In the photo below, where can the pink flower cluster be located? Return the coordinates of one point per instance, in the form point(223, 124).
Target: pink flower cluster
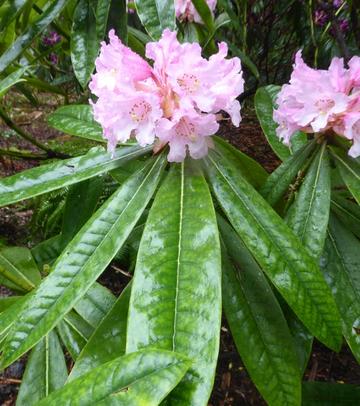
point(175, 100)
point(185, 10)
point(317, 101)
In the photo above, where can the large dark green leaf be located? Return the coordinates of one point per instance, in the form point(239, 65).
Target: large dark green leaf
point(350, 172)
point(72, 339)
point(253, 172)
point(11, 80)
point(280, 180)
point(8, 317)
point(84, 41)
point(10, 11)
point(264, 106)
point(83, 260)
point(84, 194)
point(95, 304)
point(348, 212)
point(156, 15)
point(309, 215)
point(46, 252)
point(176, 294)
point(205, 13)
point(330, 394)
point(277, 250)
point(46, 178)
point(112, 331)
point(25, 39)
point(7, 301)
point(258, 325)
point(76, 119)
point(341, 265)
point(18, 266)
point(141, 378)
point(45, 371)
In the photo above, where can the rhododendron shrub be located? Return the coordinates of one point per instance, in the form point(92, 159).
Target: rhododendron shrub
point(187, 227)
point(175, 101)
point(321, 102)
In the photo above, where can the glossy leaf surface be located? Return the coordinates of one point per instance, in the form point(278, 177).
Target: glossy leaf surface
point(84, 41)
point(348, 212)
point(257, 324)
point(18, 266)
point(45, 371)
point(176, 294)
point(253, 172)
point(46, 178)
point(112, 331)
point(25, 39)
point(156, 16)
point(280, 180)
point(141, 378)
point(350, 172)
point(277, 250)
point(341, 264)
point(309, 215)
point(264, 106)
point(95, 304)
point(11, 80)
point(76, 119)
point(83, 260)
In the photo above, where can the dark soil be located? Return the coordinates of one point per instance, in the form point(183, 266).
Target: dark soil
point(233, 385)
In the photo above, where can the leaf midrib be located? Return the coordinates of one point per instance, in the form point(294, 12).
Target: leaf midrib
point(79, 274)
point(261, 227)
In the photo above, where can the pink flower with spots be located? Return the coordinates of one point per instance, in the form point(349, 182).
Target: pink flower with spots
point(316, 101)
point(186, 11)
point(175, 101)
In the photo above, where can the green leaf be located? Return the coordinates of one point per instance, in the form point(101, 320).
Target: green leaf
point(277, 250)
point(45, 371)
point(112, 331)
point(330, 394)
point(6, 302)
point(18, 266)
point(86, 195)
point(350, 172)
point(309, 215)
point(45, 178)
point(341, 264)
point(248, 167)
point(205, 13)
point(11, 80)
point(72, 339)
point(348, 212)
point(95, 304)
point(84, 43)
point(83, 260)
point(78, 120)
point(176, 294)
point(102, 14)
point(10, 12)
point(26, 38)
point(8, 317)
point(257, 325)
point(46, 252)
point(264, 106)
point(279, 181)
point(156, 16)
point(141, 378)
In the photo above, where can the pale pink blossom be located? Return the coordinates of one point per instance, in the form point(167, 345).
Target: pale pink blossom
point(176, 100)
point(186, 11)
point(316, 101)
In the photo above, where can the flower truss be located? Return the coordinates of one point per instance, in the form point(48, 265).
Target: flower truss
point(175, 101)
point(319, 101)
